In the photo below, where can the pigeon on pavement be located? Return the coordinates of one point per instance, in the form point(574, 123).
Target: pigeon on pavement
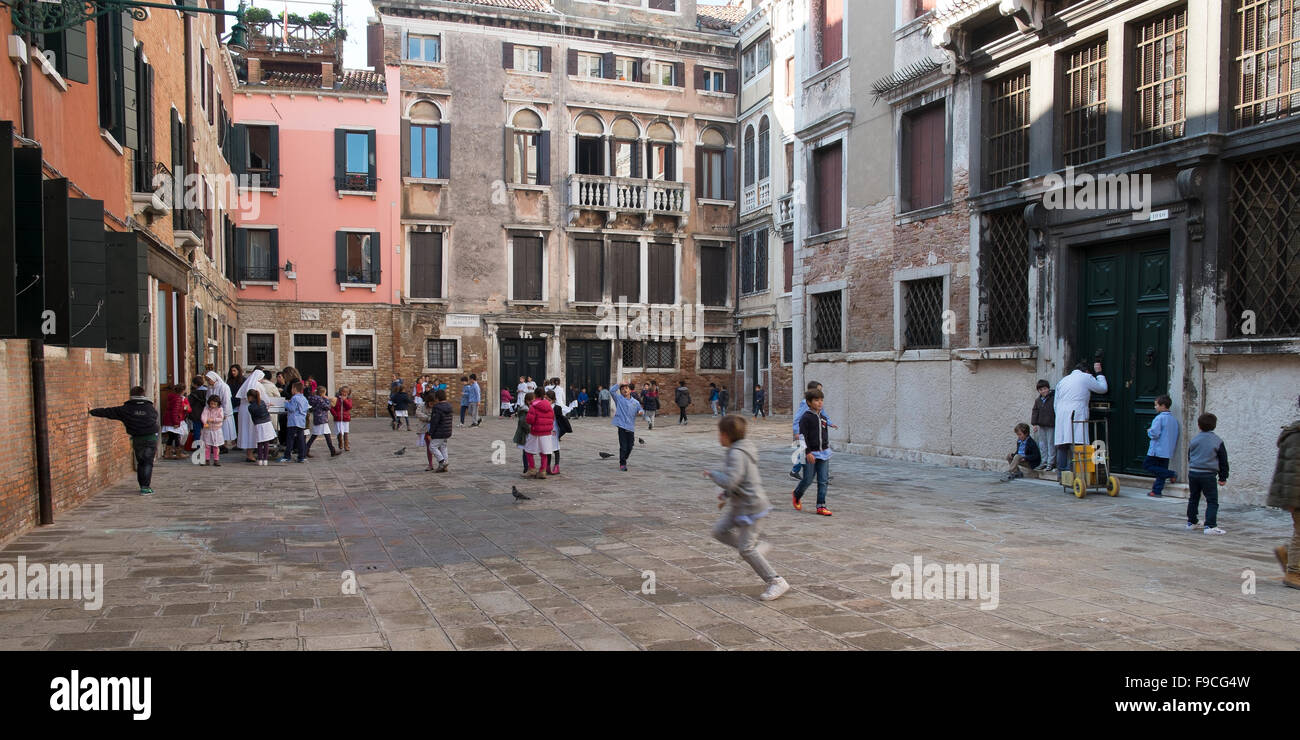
point(518, 496)
point(400, 452)
point(604, 455)
point(640, 441)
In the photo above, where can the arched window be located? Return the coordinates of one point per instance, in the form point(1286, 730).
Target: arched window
point(661, 150)
point(426, 143)
point(624, 152)
point(764, 149)
point(588, 155)
point(528, 149)
point(713, 178)
point(749, 156)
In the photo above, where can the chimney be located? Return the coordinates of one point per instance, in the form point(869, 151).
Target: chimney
point(254, 70)
point(327, 75)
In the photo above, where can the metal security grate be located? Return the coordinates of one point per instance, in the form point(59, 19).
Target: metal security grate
point(1264, 272)
point(660, 354)
point(1160, 79)
point(923, 313)
point(1085, 104)
point(441, 353)
point(310, 340)
point(632, 354)
point(261, 349)
point(827, 318)
point(1268, 72)
point(1004, 277)
point(360, 350)
point(1007, 145)
point(713, 356)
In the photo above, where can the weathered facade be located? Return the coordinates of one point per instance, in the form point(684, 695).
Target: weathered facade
point(560, 178)
point(1077, 180)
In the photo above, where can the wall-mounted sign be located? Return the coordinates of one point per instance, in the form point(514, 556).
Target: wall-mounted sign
point(462, 320)
point(309, 314)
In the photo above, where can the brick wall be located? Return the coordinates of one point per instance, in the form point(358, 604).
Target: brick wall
point(86, 454)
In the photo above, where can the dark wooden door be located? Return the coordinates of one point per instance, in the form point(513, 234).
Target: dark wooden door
point(1125, 322)
point(586, 364)
point(310, 362)
point(522, 357)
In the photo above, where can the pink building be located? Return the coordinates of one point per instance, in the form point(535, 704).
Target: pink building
point(313, 240)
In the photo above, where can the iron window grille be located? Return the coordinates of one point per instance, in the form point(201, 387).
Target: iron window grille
point(1160, 79)
point(261, 349)
point(360, 350)
point(1268, 73)
point(660, 354)
point(1264, 268)
point(632, 354)
point(441, 353)
point(1007, 145)
point(310, 340)
point(1085, 104)
point(1004, 278)
point(923, 313)
point(713, 356)
point(827, 318)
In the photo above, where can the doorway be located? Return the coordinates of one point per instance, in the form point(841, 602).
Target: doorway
point(522, 357)
point(1124, 321)
point(586, 364)
point(311, 356)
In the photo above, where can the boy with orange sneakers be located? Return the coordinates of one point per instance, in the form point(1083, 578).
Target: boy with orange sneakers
point(813, 427)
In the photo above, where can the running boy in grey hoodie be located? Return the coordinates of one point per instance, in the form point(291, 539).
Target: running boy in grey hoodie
point(742, 487)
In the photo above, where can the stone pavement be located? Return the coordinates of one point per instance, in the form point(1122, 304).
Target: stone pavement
point(247, 558)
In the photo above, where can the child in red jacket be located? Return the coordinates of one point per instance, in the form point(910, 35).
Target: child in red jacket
point(341, 410)
point(174, 428)
point(541, 423)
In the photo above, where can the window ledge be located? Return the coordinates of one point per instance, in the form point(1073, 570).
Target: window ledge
point(371, 194)
point(921, 214)
point(716, 202)
point(108, 139)
point(1208, 351)
point(527, 73)
point(422, 63)
point(514, 302)
point(439, 181)
point(826, 236)
point(522, 186)
point(374, 287)
point(971, 356)
point(823, 74)
point(755, 294)
point(433, 301)
point(716, 94)
point(629, 83)
point(275, 285)
point(249, 188)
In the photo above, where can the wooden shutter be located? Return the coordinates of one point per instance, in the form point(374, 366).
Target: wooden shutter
point(732, 80)
point(679, 74)
point(546, 59)
point(241, 253)
point(238, 149)
point(625, 259)
point(75, 58)
point(926, 153)
point(662, 270)
point(372, 164)
point(670, 163)
point(729, 173)
point(57, 274)
point(274, 238)
point(527, 268)
point(426, 264)
point(829, 185)
point(699, 76)
point(374, 46)
point(700, 190)
point(588, 270)
point(341, 256)
point(408, 151)
point(340, 159)
point(507, 55)
point(832, 31)
point(607, 66)
point(374, 259)
point(86, 266)
point(130, 100)
point(713, 275)
point(29, 242)
point(573, 63)
point(788, 263)
point(444, 150)
point(544, 158)
point(273, 145)
point(125, 283)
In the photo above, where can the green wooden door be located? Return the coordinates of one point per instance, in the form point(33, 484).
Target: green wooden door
point(1124, 322)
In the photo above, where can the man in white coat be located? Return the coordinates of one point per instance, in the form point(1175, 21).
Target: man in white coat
point(1072, 396)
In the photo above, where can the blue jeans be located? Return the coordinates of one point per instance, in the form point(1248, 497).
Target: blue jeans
point(1159, 467)
point(296, 442)
point(817, 468)
point(1207, 483)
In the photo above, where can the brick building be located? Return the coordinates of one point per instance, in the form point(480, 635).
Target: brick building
point(1070, 180)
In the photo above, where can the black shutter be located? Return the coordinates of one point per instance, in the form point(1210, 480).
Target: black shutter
point(340, 157)
point(670, 163)
point(178, 148)
point(588, 270)
point(86, 264)
point(507, 55)
point(607, 66)
point(573, 63)
point(126, 313)
point(199, 344)
point(29, 242)
point(679, 74)
point(636, 160)
point(273, 144)
point(241, 253)
point(699, 77)
point(435, 265)
point(732, 81)
point(374, 260)
point(625, 259)
point(373, 181)
point(58, 277)
point(238, 149)
point(130, 100)
point(75, 62)
point(546, 59)
point(275, 255)
point(444, 150)
point(408, 151)
point(729, 173)
point(662, 270)
point(701, 190)
point(713, 275)
point(527, 268)
point(761, 245)
point(544, 158)
point(8, 278)
point(341, 256)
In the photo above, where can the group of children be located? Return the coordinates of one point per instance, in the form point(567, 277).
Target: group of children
point(311, 410)
point(1207, 458)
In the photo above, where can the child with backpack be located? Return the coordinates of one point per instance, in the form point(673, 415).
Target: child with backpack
point(319, 404)
point(140, 418)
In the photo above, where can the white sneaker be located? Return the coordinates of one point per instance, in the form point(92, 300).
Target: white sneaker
point(1214, 530)
point(775, 589)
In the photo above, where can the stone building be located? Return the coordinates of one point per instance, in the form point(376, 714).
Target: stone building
point(560, 160)
point(1074, 180)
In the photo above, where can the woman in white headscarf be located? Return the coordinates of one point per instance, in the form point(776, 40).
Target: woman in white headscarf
point(247, 435)
point(218, 386)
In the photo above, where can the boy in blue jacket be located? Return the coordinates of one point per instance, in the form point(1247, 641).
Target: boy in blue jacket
point(1027, 453)
point(295, 410)
point(1164, 438)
